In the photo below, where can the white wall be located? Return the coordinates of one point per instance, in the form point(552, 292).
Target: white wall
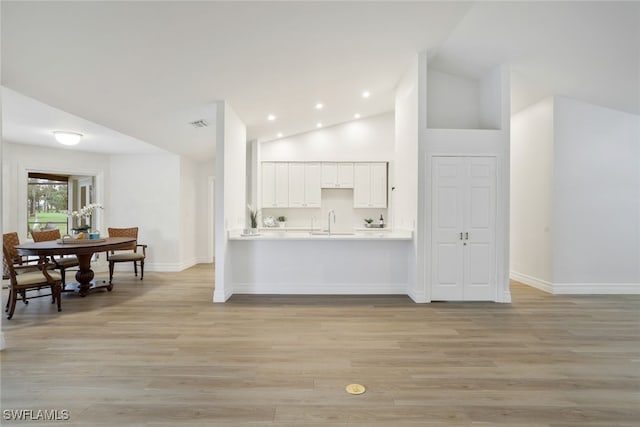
point(230, 205)
point(189, 212)
point(531, 194)
point(367, 139)
point(145, 192)
point(205, 215)
point(596, 213)
point(490, 93)
point(453, 102)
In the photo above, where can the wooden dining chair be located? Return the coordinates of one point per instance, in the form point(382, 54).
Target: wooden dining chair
point(130, 254)
point(13, 257)
point(24, 278)
point(62, 262)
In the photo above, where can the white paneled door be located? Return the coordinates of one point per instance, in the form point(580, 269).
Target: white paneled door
point(463, 229)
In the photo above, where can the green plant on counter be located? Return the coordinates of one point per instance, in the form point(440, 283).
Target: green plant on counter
point(253, 216)
point(368, 220)
point(282, 219)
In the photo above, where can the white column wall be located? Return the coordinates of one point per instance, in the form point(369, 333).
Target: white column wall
point(531, 194)
point(404, 198)
point(230, 204)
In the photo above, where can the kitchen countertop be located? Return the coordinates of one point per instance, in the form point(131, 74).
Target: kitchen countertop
point(369, 234)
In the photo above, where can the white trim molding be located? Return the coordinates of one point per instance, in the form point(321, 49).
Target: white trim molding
point(534, 282)
point(577, 288)
point(596, 288)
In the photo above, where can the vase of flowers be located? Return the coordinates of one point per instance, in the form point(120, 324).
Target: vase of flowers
point(82, 218)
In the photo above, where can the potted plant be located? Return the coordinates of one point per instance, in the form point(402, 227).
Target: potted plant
point(253, 218)
point(282, 220)
point(368, 222)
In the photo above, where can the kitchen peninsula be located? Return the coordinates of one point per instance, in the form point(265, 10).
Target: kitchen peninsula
point(299, 262)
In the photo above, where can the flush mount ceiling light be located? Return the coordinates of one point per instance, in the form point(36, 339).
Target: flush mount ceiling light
point(271, 117)
point(319, 106)
point(356, 116)
point(279, 135)
point(366, 94)
point(67, 138)
point(319, 125)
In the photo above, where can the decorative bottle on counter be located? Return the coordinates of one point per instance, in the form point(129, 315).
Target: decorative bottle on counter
point(381, 221)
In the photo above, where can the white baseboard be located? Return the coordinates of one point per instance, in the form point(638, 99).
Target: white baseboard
point(2, 342)
point(596, 288)
point(417, 296)
point(505, 298)
point(577, 288)
point(321, 289)
point(543, 285)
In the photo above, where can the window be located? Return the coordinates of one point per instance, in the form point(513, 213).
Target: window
point(47, 201)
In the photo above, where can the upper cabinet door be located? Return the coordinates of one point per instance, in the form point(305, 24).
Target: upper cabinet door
point(379, 185)
point(296, 185)
point(362, 185)
point(275, 185)
point(329, 175)
point(304, 185)
point(268, 185)
point(337, 175)
point(345, 175)
point(370, 185)
point(312, 191)
point(282, 185)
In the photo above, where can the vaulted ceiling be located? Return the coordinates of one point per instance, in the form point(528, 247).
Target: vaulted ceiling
point(135, 74)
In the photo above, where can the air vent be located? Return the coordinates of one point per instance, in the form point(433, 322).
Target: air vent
point(200, 124)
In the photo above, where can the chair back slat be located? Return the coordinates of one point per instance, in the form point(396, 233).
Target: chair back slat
point(8, 248)
point(45, 235)
point(125, 232)
point(10, 241)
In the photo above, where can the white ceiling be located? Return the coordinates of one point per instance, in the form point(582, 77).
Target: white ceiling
point(147, 69)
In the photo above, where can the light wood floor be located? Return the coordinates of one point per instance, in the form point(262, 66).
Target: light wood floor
point(159, 353)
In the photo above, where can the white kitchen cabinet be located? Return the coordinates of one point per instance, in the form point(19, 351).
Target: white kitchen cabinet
point(337, 175)
point(275, 184)
point(463, 255)
point(370, 185)
point(304, 185)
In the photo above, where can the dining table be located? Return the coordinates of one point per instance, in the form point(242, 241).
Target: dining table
point(83, 249)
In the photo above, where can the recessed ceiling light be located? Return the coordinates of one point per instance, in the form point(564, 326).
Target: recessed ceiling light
point(366, 94)
point(279, 135)
point(271, 117)
point(319, 125)
point(319, 106)
point(356, 116)
point(67, 138)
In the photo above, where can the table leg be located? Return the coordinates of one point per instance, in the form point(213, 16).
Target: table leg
point(84, 276)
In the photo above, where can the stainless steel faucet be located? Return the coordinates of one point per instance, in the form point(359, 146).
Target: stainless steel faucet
point(329, 221)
